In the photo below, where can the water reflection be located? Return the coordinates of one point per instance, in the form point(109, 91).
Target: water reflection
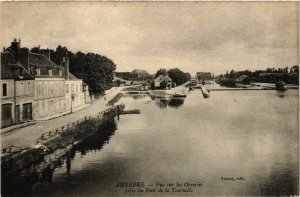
point(21, 186)
point(172, 102)
point(235, 133)
point(281, 94)
point(176, 102)
point(136, 96)
point(282, 183)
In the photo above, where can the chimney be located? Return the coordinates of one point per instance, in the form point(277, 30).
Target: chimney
point(66, 65)
point(15, 46)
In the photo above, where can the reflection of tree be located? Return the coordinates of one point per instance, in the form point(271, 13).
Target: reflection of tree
point(281, 94)
point(161, 103)
point(68, 163)
point(21, 186)
point(138, 96)
point(176, 102)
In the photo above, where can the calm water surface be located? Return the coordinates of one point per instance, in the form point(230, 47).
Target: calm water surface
point(249, 134)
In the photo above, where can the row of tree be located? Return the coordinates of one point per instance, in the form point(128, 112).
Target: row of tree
point(255, 74)
point(178, 76)
point(271, 75)
point(95, 70)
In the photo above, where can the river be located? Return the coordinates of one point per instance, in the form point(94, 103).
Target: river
point(246, 135)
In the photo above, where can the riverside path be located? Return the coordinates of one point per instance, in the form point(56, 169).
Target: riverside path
point(27, 135)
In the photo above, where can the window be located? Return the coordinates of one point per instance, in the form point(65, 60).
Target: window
point(47, 89)
point(52, 86)
point(76, 87)
point(28, 88)
point(21, 90)
point(72, 88)
point(4, 89)
point(38, 71)
point(67, 88)
point(40, 89)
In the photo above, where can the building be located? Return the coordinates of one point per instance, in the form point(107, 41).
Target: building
point(294, 69)
point(17, 91)
point(204, 76)
point(127, 76)
point(142, 75)
point(75, 89)
point(163, 82)
point(135, 75)
point(244, 79)
point(54, 91)
point(49, 87)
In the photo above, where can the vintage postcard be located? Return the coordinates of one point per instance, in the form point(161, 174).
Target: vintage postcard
point(149, 98)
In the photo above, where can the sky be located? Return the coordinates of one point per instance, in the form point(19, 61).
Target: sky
point(192, 36)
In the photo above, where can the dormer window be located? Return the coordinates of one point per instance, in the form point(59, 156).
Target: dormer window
point(60, 72)
point(50, 72)
point(38, 71)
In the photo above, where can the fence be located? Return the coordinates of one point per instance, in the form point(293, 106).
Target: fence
point(58, 131)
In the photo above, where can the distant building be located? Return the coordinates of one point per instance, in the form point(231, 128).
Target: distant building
point(294, 69)
point(204, 75)
point(135, 75)
point(163, 82)
point(271, 74)
point(244, 79)
point(142, 75)
point(127, 76)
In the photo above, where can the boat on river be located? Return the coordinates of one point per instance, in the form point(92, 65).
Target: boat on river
point(281, 86)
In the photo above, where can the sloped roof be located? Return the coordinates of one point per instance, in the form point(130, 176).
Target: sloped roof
point(280, 83)
point(72, 77)
point(241, 78)
point(9, 68)
point(163, 78)
point(41, 61)
point(139, 71)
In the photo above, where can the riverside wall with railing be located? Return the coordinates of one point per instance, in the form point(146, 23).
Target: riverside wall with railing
point(18, 162)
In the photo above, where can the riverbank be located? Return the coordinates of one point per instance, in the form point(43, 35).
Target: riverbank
point(51, 147)
point(27, 135)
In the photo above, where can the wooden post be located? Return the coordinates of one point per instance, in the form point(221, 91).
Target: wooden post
point(118, 111)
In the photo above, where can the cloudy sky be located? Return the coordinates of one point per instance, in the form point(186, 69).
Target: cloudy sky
point(193, 36)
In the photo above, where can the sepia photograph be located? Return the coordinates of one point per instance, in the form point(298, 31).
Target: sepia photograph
point(149, 98)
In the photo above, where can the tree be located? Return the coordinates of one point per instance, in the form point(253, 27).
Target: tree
point(95, 70)
point(35, 49)
point(232, 74)
point(161, 71)
point(178, 76)
point(227, 74)
point(187, 76)
point(58, 55)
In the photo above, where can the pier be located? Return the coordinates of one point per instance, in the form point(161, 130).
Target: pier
point(204, 91)
point(238, 89)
